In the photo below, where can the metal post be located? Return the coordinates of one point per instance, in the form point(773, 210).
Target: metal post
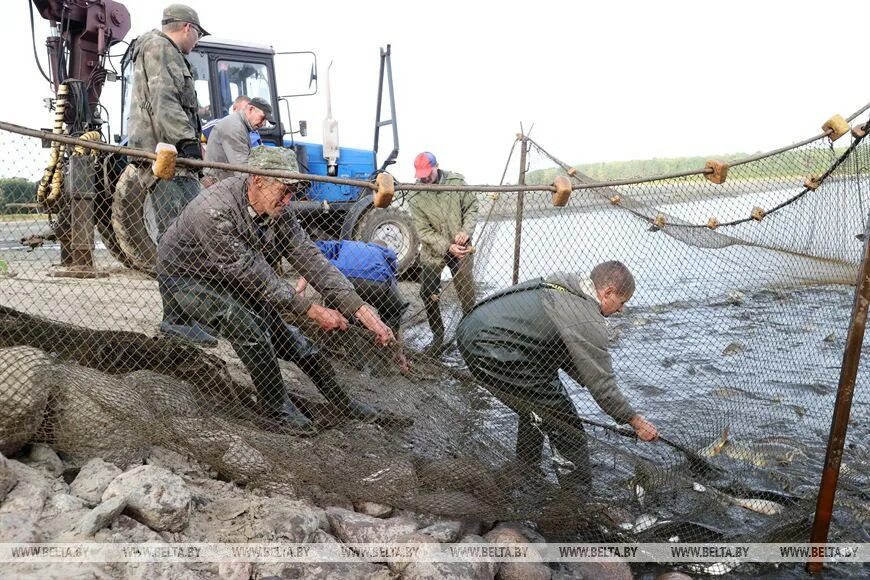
point(77, 246)
point(518, 231)
point(842, 408)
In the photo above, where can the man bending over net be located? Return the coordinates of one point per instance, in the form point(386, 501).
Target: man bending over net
point(515, 342)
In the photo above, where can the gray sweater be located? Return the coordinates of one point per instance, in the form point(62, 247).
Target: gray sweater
point(520, 337)
point(228, 142)
point(217, 239)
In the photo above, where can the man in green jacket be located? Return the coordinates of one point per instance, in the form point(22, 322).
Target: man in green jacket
point(515, 342)
point(445, 223)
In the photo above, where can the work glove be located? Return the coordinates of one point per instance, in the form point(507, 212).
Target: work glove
point(189, 149)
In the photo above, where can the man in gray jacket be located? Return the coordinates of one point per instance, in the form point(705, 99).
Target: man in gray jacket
point(230, 139)
point(214, 274)
point(515, 342)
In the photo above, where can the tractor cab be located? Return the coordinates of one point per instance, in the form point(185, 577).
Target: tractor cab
point(224, 70)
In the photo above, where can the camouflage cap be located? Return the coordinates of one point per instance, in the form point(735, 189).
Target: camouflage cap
point(182, 13)
point(280, 158)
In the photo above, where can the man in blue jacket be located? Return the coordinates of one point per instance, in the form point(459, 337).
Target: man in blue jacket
point(373, 271)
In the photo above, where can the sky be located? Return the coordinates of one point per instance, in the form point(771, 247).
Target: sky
point(596, 81)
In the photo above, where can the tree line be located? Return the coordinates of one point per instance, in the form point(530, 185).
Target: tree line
point(795, 163)
point(16, 190)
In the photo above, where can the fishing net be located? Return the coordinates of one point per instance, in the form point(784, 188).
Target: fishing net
point(731, 343)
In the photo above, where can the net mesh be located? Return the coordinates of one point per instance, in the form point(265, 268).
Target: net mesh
point(730, 345)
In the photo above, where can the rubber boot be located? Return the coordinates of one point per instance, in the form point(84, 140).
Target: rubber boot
point(323, 376)
point(281, 415)
point(436, 324)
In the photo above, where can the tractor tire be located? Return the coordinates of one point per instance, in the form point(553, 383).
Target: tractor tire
point(103, 211)
point(133, 219)
point(394, 228)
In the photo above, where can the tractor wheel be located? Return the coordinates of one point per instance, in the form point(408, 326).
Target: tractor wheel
point(133, 219)
point(393, 227)
point(103, 210)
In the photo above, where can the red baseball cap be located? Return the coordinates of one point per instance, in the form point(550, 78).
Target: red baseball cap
point(424, 164)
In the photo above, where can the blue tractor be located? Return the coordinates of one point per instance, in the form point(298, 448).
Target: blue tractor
point(224, 71)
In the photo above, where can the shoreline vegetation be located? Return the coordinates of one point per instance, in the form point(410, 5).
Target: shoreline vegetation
point(800, 162)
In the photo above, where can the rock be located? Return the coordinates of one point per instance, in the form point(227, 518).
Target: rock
point(156, 497)
point(325, 571)
point(163, 571)
point(412, 538)
point(351, 527)
point(444, 531)
point(517, 570)
point(673, 575)
point(8, 477)
point(370, 508)
point(19, 528)
point(101, 516)
point(64, 502)
point(60, 571)
point(236, 570)
point(596, 570)
point(233, 458)
point(92, 480)
point(44, 458)
point(93, 414)
point(525, 529)
point(126, 529)
point(175, 462)
point(226, 510)
point(452, 570)
point(29, 495)
point(290, 520)
point(24, 392)
point(321, 537)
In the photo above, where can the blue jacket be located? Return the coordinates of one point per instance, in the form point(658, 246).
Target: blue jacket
point(361, 259)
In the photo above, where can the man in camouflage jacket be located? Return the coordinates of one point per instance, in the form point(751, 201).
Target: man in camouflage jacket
point(163, 109)
point(445, 221)
point(213, 275)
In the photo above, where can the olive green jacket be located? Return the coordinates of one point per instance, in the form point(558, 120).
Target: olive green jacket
point(440, 215)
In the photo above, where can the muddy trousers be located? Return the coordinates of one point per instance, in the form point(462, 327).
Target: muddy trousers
point(170, 198)
point(258, 335)
point(430, 291)
point(556, 418)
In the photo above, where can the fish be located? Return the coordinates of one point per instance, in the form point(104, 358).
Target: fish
point(716, 569)
point(644, 522)
point(639, 494)
point(713, 449)
point(735, 347)
point(744, 453)
point(762, 506)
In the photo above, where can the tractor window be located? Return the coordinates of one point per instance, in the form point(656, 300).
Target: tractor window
point(199, 64)
point(242, 78)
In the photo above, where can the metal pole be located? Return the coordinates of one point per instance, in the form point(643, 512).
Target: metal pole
point(77, 243)
point(842, 408)
point(518, 231)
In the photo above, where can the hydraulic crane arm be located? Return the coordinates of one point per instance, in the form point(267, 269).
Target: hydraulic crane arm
point(82, 31)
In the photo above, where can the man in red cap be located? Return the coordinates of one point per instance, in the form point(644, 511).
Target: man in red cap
point(445, 222)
